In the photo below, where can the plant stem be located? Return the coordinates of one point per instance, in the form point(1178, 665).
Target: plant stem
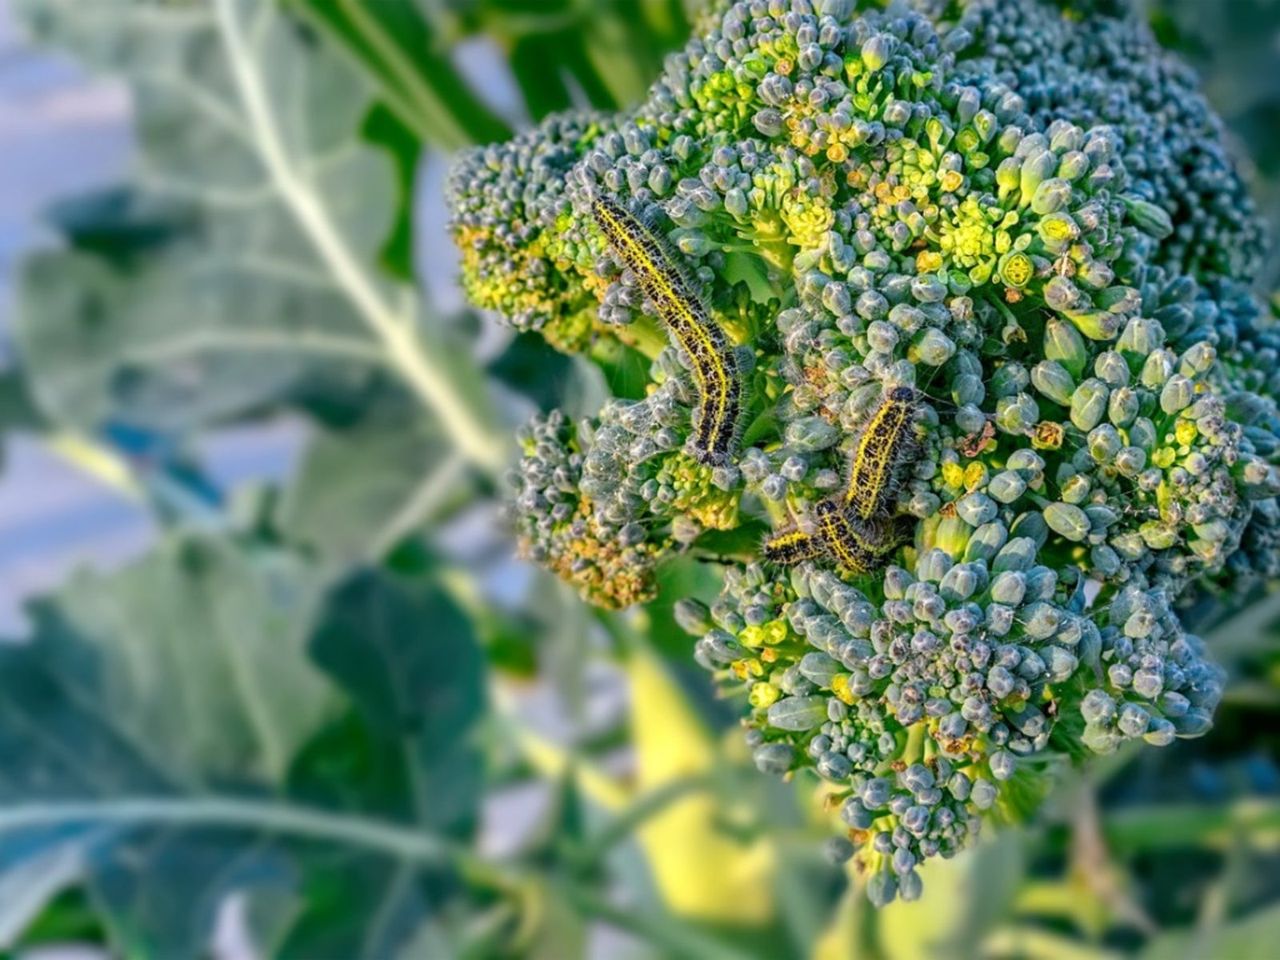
point(398, 841)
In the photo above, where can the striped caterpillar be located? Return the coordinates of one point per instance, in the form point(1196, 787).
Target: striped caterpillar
point(888, 442)
point(858, 546)
point(791, 546)
point(715, 365)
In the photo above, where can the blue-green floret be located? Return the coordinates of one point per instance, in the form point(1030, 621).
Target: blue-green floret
point(508, 214)
point(1027, 219)
point(1107, 68)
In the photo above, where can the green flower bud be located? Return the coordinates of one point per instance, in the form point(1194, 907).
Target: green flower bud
point(1104, 560)
point(1017, 414)
point(951, 536)
point(1089, 404)
point(1052, 379)
point(1158, 535)
point(1147, 217)
point(1035, 170)
point(1062, 342)
point(1143, 434)
point(1096, 324)
point(1051, 196)
point(986, 542)
point(1009, 587)
point(1123, 406)
point(877, 51)
point(1006, 486)
point(1177, 394)
point(1100, 517)
point(819, 668)
point(1027, 462)
point(1018, 554)
point(1076, 489)
point(811, 434)
point(798, 713)
point(931, 347)
point(1103, 443)
point(1067, 520)
point(967, 389)
point(1031, 525)
point(1199, 358)
point(1111, 368)
point(692, 616)
point(1141, 337)
point(962, 581)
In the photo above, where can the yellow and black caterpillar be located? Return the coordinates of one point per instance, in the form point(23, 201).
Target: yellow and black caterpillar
point(841, 537)
point(887, 443)
point(715, 365)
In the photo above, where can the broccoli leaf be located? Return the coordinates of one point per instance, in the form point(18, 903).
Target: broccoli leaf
point(246, 264)
point(168, 742)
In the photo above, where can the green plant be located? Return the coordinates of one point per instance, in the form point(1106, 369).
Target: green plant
point(313, 714)
point(984, 211)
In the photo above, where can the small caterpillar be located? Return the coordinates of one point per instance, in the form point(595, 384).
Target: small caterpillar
point(715, 365)
point(887, 442)
point(860, 547)
point(791, 546)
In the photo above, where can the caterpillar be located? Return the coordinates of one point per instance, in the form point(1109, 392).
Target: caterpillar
point(860, 547)
point(791, 546)
point(715, 365)
point(887, 442)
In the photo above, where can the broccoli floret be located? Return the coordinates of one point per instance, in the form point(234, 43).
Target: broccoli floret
point(1018, 218)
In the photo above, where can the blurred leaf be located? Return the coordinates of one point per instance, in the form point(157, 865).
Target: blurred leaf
point(849, 931)
point(250, 129)
point(1251, 938)
point(167, 739)
point(360, 490)
point(964, 899)
point(26, 890)
point(414, 77)
point(626, 370)
point(1157, 827)
point(535, 369)
point(410, 661)
point(69, 918)
point(161, 681)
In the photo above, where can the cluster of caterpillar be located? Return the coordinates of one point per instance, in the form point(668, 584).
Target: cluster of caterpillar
point(711, 355)
point(857, 530)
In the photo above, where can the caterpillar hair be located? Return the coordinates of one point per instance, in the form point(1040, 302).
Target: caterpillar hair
point(711, 355)
point(886, 444)
point(791, 546)
point(858, 546)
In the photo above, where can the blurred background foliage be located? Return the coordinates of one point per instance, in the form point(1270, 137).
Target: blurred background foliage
point(331, 718)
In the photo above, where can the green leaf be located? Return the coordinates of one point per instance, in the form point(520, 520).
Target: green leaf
point(160, 681)
point(360, 490)
point(264, 276)
point(168, 742)
point(410, 661)
point(1252, 938)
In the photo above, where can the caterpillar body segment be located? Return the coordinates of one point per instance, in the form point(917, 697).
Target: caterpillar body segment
point(858, 546)
point(791, 546)
point(715, 364)
point(887, 442)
